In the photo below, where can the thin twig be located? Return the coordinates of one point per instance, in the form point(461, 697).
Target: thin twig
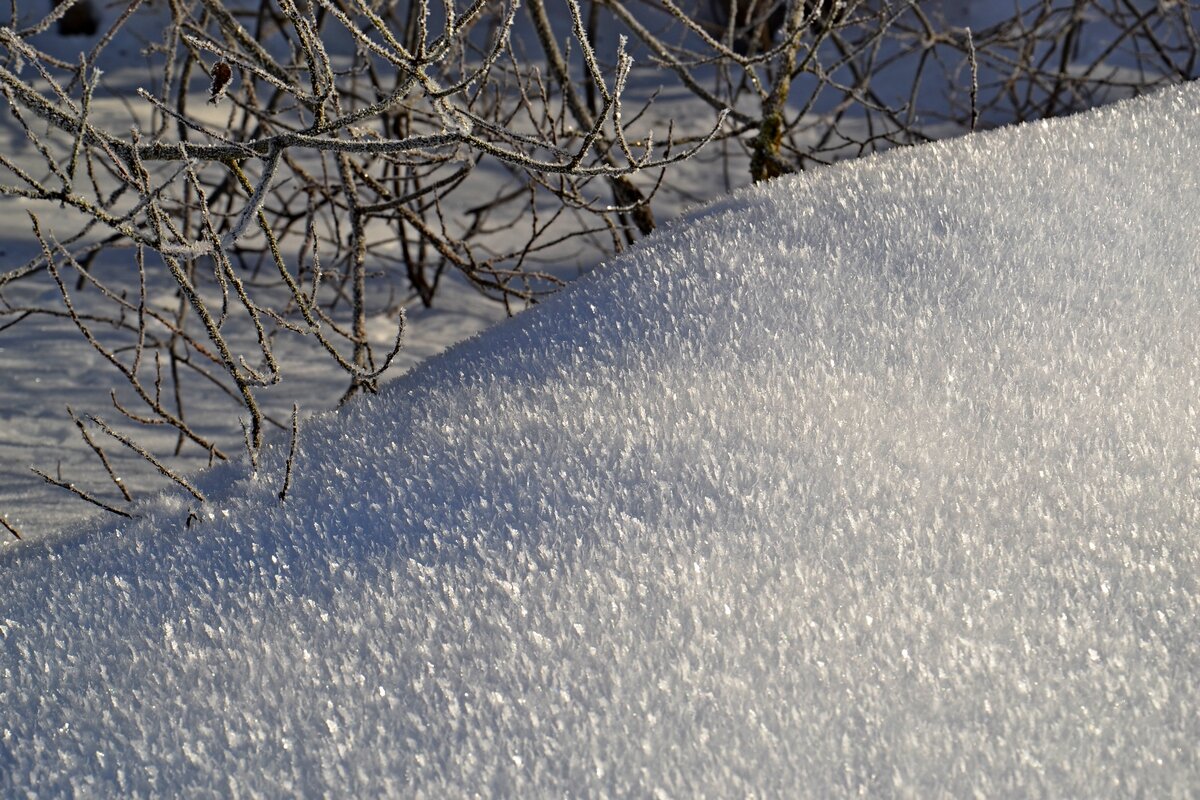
point(251, 451)
point(144, 453)
point(974, 81)
point(80, 493)
point(120, 484)
point(287, 471)
point(8, 526)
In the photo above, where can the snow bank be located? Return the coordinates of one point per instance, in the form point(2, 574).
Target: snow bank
point(885, 478)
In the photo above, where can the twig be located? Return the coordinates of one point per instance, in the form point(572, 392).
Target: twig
point(100, 453)
point(8, 526)
point(974, 81)
point(144, 453)
point(80, 493)
point(251, 451)
point(287, 471)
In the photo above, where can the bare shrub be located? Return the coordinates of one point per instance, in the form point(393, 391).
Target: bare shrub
point(327, 153)
point(812, 82)
point(294, 169)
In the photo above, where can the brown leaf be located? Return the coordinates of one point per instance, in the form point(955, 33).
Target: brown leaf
point(222, 74)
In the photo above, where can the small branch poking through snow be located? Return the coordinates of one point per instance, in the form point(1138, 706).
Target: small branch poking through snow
point(251, 452)
point(9, 527)
point(974, 81)
point(287, 471)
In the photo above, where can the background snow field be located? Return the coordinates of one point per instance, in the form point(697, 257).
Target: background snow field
point(884, 478)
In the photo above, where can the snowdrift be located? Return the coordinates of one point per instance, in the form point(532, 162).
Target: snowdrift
point(882, 479)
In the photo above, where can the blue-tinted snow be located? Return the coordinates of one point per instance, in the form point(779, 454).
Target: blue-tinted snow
point(884, 478)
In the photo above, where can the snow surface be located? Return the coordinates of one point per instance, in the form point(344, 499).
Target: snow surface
point(882, 479)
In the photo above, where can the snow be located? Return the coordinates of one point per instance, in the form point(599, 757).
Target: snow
point(882, 479)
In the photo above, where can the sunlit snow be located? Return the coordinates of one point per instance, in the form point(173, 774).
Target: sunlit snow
point(884, 479)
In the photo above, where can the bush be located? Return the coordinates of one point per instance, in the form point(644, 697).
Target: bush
point(300, 168)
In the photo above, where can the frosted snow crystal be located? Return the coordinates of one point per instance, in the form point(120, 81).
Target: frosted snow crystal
point(880, 479)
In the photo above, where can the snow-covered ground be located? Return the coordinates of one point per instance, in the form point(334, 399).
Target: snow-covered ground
point(883, 479)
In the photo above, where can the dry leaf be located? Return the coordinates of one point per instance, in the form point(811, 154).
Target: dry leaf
point(222, 74)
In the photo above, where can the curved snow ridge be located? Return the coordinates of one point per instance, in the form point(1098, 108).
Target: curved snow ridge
point(881, 479)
